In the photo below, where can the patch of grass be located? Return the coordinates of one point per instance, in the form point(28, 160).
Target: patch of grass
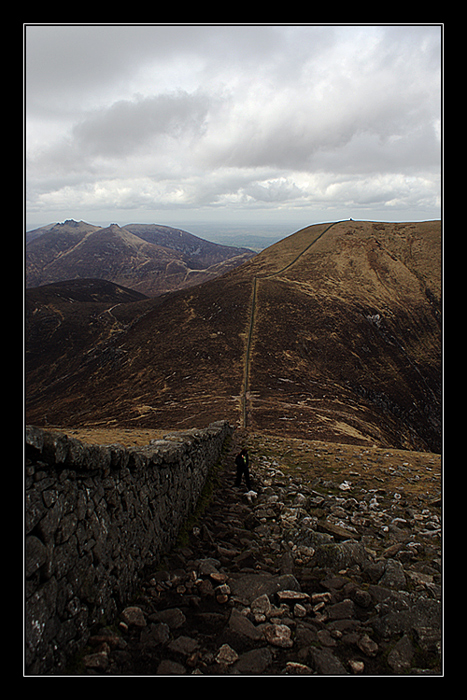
point(415, 474)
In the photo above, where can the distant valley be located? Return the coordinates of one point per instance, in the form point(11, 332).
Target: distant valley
point(150, 259)
point(333, 333)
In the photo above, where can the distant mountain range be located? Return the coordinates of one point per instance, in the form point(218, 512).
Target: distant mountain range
point(151, 259)
point(333, 333)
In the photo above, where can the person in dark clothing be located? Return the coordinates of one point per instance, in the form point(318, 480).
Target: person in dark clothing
point(242, 463)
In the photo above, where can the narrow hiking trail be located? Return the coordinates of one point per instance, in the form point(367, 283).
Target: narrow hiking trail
point(246, 386)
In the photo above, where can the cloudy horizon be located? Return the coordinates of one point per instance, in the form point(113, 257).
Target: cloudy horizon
point(232, 124)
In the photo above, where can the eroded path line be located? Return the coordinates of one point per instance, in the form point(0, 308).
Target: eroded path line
point(246, 367)
point(245, 393)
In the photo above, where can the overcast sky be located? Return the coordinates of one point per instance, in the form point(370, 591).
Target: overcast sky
point(232, 124)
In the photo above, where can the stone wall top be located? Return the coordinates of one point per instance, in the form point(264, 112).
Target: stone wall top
point(58, 450)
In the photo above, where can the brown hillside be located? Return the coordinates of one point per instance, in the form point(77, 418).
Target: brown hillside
point(332, 334)
point(351, 326)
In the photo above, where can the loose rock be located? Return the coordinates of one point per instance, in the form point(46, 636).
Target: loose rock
point(279, 635)
point(226, 655)
point(297, 578)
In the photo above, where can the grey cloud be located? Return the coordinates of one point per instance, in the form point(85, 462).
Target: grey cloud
point(68, 64)
point(281, 190)
point(126, 126)
point(65, 62)
point(250, 115)
point(383, 89)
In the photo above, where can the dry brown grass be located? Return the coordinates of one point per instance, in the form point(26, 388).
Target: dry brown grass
point(413, 474)
point(128, 437)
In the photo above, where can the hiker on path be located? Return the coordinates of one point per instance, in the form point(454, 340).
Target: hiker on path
point(242, 463)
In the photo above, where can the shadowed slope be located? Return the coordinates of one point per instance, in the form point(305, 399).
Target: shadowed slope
point(333, 333)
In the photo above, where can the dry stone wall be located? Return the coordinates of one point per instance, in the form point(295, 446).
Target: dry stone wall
point(95, 517)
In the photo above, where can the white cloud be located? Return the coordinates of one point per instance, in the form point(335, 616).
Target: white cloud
point(211, 117)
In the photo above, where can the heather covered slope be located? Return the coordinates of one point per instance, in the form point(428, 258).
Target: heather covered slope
point(332, 334)
point(347, 338)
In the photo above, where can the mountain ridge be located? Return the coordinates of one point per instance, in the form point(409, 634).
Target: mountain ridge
point(151, 259)
point(344, 345)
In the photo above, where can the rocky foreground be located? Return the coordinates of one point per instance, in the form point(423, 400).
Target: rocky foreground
point(309, 573)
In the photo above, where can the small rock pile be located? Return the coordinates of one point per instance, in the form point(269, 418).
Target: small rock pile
point(290, 578)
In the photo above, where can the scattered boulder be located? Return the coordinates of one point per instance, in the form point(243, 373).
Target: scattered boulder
point(262, 587)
